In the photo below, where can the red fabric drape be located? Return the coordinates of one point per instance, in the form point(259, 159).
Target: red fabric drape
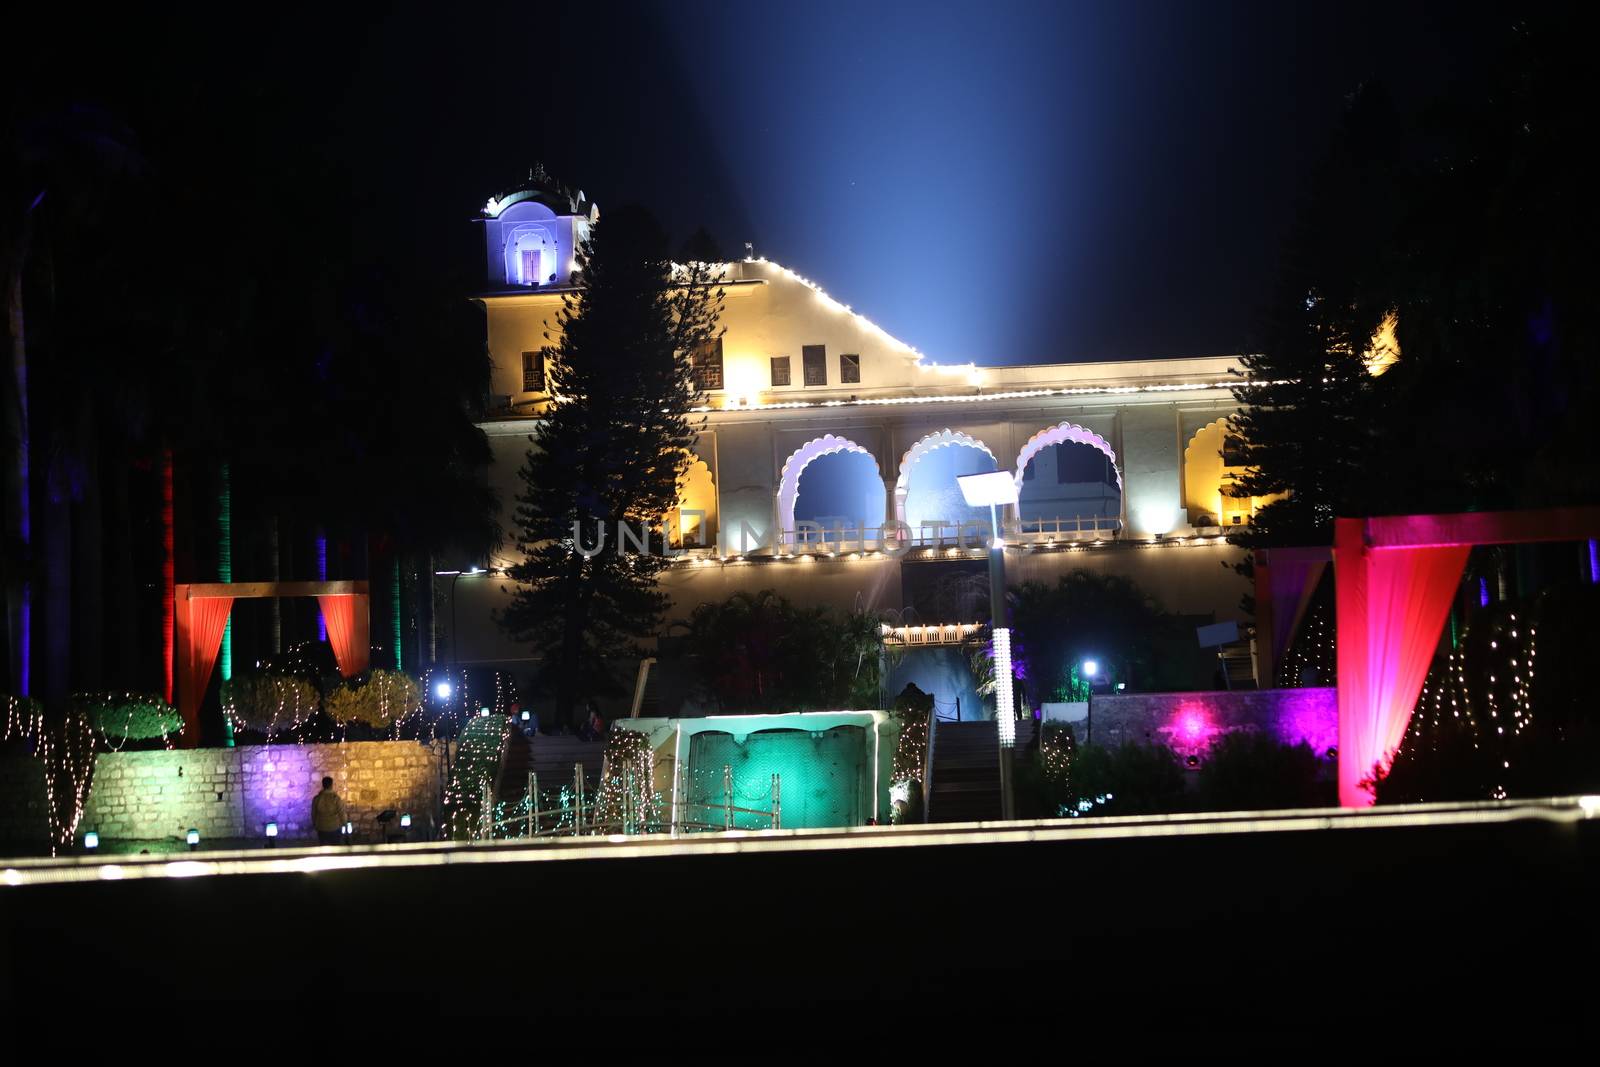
point(200, 624)
point(1392, 606)
point(348, 625)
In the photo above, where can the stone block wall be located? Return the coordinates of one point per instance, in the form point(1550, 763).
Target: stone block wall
point(234, 792)
point(1190, 722)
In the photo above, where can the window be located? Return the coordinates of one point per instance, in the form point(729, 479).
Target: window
point(780, 370)
point(814, 359)
point(1232, 451)
point(707, 363)
point(531, 254)
point(849, 369)
point(533, 372)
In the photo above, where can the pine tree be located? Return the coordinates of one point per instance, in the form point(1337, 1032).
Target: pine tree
point(1311, 416)
point(612, 448)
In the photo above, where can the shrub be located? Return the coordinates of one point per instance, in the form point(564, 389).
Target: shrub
point(1043, 773)
point(381, 700)
point(1245, 770)
point(1131, 780)
point(269, 703)
point(912, 710)
point(128, 716)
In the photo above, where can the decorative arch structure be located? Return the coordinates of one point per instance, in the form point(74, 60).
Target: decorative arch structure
point(1394, 579)
point(795, 465)
point(202, 611)
point(1064, 433)
point(931, 443)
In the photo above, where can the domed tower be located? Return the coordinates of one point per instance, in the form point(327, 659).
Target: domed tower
point(532, 233)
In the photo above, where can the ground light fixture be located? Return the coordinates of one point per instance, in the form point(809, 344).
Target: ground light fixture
point(272, 832)
point(91, 839)
point(483, 713)
point(348, 829)
point(405, 820)
point(1090, 668)
point(193, 838)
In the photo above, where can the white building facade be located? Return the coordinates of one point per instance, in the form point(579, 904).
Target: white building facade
point(826, 465)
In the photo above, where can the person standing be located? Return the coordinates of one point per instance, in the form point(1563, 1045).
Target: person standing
point(327, 814)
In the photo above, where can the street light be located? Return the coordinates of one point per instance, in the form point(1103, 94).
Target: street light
point(992, 489)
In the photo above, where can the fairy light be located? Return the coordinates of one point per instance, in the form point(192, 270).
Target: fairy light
point(477, 761)
point(627, 796)
point(1004, 707)
point(66, 749)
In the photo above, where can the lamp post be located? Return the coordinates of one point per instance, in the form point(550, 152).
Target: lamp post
point(444, 689)
point(992, 489)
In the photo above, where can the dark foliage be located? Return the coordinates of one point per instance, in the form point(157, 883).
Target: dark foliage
point(1246, 770)
point(611, 449)
point(1089, 615)
point(761, 652)
point(1474, 227)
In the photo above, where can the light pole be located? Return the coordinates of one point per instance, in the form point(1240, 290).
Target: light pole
point(444, 689)
point(992, 490)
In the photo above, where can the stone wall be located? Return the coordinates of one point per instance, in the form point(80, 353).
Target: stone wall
point(234, 792)
point(1189, 722)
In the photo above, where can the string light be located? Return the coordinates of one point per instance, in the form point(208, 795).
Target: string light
point(477, 762)
point(66, 749)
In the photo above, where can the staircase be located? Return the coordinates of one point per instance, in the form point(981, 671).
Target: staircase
point(966, 770)
point(551, 757)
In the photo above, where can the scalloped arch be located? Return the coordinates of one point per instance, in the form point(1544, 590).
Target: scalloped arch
point(1195, 436)
point(697, 489)
point(1064, 433)
point(795, 465)
point(932, 442)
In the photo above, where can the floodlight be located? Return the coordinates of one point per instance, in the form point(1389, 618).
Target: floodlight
point(990, 489)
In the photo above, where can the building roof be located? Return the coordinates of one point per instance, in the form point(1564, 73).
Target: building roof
point(541, 188)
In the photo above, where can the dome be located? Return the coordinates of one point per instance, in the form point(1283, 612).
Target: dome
point(541, 189)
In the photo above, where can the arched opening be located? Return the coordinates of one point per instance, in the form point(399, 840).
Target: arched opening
point(1068, 484)
point(531, 255)
point(834, 483)
point(693, 523)
point(928, 498)
point(1212, 465)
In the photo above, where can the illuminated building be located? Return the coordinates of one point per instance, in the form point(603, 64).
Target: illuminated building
point(822, 428)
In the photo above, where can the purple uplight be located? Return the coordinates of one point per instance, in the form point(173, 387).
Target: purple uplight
point(1594, 562)
point(322, 576)
point(1483, 587)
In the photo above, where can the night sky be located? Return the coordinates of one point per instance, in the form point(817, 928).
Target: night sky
point(997, 182)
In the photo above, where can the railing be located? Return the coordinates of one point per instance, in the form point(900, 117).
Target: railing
point(972, 535)
point(578, 817)
point(1076, 528)
point(927, 760)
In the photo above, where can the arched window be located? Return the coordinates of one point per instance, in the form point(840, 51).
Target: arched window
point(833, 482)
point(927, 490)
point(531, 256)
point(1068, 484)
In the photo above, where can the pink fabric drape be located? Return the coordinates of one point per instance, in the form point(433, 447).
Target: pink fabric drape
point(1286, 579)
point(348, 625)
point(200, 624)
point(1392, 605)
